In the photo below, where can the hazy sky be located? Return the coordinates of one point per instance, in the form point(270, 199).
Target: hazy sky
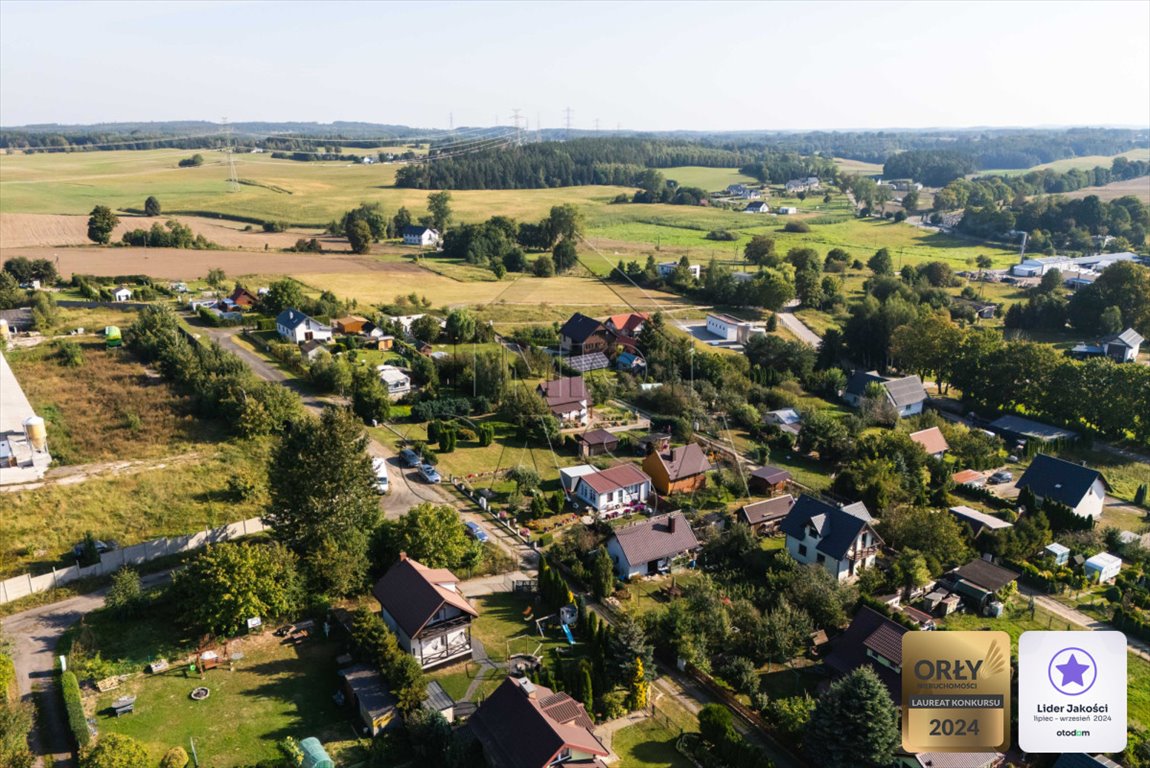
point(641, 65)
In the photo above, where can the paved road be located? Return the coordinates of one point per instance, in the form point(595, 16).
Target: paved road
point(797, 326)
point(34, 635)
point(1136, 646)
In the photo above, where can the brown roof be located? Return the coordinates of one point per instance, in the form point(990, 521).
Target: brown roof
point(569, 389)
point(656, 538)
point(597, 437)
point(870, 629)
point(966, 476)
point(771, 475)
point(764, 511)
point(523, 725)
point(931, 440)
point(685, 461)
point(412, 593)
point(615, 478)
point(986, 575)
point(886, 641)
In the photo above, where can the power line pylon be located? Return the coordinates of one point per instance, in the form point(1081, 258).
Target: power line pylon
point(233, 180)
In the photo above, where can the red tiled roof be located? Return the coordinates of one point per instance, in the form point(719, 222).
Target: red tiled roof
point(931, 440)
point(627, 322)
point(966, 476)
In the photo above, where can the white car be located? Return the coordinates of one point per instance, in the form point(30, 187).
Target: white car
point(379, 466)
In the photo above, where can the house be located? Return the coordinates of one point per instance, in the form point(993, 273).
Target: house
point(615, 490)
point(628, 325)
point(1021, 430)
point(954, 760)
point(932, 441)
point(906, 394)
point(569, 476)
point(786, 210)
point(1123, 347)
point(978, 521)
point(397, 382)
point(242, 298)
point(1060, 552)
point(978, 581)
point(808, 184)
point(786, 419)
point(770, 480)
point(596, 442)
point(581, 335)
point(743, 191)
point(1103, 567)
point(667, 268)
point(421, 236)
point(871, 640)
point(728, 328)
point(765, 517)
point(1081, 760)
point(971, 477)
point(650, 547)
point(678, 470)
point(294, 326)
point(525, 725)
point(366, 692)
point(757, 207)
point(841, 539)
point(567, 399)
point(123, 293)
point(425, 610)
point(1077, 486)
point(311, 350)
point(629, 362)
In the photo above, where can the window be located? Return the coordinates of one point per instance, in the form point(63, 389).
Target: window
point(821, 558)
point(803, 550)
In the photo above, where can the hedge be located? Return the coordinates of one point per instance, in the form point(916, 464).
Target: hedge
point(70, 688)
point(7, 678)
point(1132, 623)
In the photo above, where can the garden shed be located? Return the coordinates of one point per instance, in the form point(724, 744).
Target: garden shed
point(1103, 566)
point(1059, 552)
point(314, 755)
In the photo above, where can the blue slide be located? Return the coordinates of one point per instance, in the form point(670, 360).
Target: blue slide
point(570, 638)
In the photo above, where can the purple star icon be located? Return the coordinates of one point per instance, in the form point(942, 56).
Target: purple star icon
point(1078, 677)
point(1072, 671)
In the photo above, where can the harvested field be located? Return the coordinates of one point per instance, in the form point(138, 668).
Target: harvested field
point(1140, 188)
point(26, 230)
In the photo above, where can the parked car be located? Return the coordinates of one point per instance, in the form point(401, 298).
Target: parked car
point(101, 548)
point(1001, 476)
point(475, 532)
point(429, 473)
point(379, 466)
point(409, 457)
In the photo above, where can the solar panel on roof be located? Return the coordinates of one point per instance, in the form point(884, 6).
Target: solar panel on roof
point(590, 362)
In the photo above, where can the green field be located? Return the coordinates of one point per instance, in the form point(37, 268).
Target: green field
point(1085, 163)
point(710, 179)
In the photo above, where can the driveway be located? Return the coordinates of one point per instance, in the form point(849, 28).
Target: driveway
point(1135, 646)
point(797, 326)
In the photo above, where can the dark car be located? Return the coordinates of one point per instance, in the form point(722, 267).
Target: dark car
point(101, 547)
point(409, 458)
point(1002, 476)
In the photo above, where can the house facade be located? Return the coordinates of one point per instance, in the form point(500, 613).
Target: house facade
point(122, 294)
point(840, 539)
point(567, 399)
point(610, 492)
point(1077, 486)
point(652, 546)
point(424, 608)
point(421, 236)
point(678, 470)
point(582, 335)
point(757, 207)
point(294, 326)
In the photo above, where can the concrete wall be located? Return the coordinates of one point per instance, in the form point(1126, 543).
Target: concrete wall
point(27, 584)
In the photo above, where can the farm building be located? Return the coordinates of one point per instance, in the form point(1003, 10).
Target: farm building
point(1078, 487)
point(678, 470)
point(421, 236)
point(651, 546)
point(1103, 567)
point(23, 435)
point(425, 609)
point(294, 326)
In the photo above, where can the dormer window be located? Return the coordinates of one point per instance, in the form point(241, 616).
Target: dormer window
point(812, 532)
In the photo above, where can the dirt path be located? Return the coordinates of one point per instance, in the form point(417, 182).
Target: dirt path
point(72, 475)
point(1136, 646)
point(797, 326)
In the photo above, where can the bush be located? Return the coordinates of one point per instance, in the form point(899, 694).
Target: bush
point(175, 757)
point(721, 235)
point(7, 677)
point(71, 356)
point(740, 672)
point(275, 226)
point(796, 226)
point(70, 688)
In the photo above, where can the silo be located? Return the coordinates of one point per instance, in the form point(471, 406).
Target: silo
point(36, 432)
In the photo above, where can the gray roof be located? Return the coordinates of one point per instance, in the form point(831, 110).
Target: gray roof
point(838, 526)
point(1033, 429)
point(437, 699)
point(579, 327)
point(771, 475)
point(662, 536)
point(905, 391)
point(1058, 479)
point(985, 574)
point(368, 686)
point(291, 318)
point(767, 510)
point(857, 383)
point(1129, 337)
point(978, 521)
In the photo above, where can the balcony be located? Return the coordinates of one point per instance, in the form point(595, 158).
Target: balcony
point(862, 553)
point(442, 627)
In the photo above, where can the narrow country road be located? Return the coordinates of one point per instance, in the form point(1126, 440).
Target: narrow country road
point(798, 327)
point(1136, 646)
point(34, 635)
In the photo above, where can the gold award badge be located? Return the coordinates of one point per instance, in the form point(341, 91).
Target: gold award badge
point(955, 691)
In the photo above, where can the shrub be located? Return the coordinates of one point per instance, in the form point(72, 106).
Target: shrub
point(175, 757)
point(740, 672)
point(7, 677)
point(70, 688)
point(275, 226)
point(797, 226)
point(721, 235)
point(71, 356)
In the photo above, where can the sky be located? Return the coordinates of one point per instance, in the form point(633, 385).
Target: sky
point(635, 65)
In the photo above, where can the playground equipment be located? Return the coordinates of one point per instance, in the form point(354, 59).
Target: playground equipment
point(570, 637)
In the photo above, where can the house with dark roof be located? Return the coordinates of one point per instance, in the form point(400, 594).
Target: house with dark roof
point(424, 607)
point(977, 582)
point(652, 546)
point(840, 539)
point(596, 442)
point(294, 326)
point(1077, 486)
point(954, 760)
point(525, 725)
point(682, 469)
point(871, 640)
point(757, 207)
point(765, 517)
point(1122, 347)
point(567, 399)
point(906, 394)
point(610, 492)
point(932, 441)
point(581, 335)
point(769, 480)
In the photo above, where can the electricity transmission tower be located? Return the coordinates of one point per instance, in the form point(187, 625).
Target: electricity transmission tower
point(233, 180)
point(567, 132)
point(518, 129)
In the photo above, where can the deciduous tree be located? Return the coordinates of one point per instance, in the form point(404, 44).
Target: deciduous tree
point(101, 222)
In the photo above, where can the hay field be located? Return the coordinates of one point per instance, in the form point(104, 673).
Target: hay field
point(710, 179)
point(1086, 163)
point(857, 166)
point(1139, 188)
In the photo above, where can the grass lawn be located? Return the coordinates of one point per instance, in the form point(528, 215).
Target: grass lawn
point(502, 628)
point(646, 593)
point(710, 179)
point(276, 691)
point(648, 743)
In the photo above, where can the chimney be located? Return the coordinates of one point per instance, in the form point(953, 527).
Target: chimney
point(671, 523)
point(402, 556)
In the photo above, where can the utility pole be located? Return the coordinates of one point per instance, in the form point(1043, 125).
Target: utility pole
point(596, 124)
point(518, 130)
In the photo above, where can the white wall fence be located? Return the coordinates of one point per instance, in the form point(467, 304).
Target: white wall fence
point(27, 584)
